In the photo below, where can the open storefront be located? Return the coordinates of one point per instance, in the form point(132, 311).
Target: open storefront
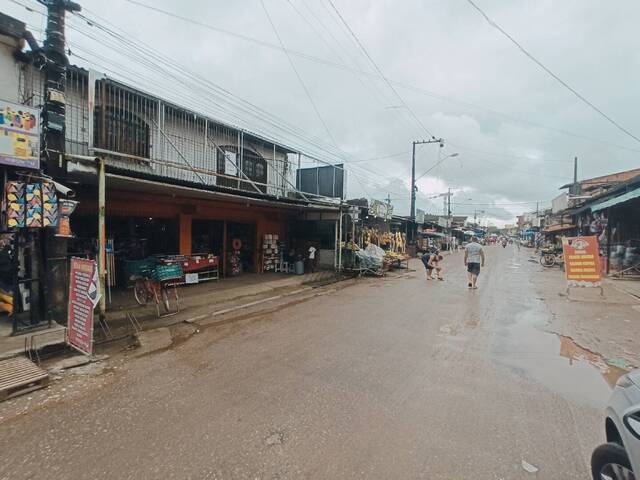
point(212, 235)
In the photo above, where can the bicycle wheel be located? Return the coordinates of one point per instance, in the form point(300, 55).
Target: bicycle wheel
point(169, 296)
point(547, 260)
point(140, 291)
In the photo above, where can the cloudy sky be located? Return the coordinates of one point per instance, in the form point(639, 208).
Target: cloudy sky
point(445, 69)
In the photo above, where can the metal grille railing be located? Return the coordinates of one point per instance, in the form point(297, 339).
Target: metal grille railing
point(140, 133)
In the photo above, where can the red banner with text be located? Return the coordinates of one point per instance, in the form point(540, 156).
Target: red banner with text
point(83, 297)
point(582, 261)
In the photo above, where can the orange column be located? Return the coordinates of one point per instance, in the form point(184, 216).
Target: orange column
point(185, 234)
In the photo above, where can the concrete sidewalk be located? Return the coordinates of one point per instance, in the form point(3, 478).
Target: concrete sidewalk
point(194, 300)
point(608, 325)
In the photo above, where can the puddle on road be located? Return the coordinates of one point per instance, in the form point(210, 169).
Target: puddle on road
point(575, 353)
point(554, 361)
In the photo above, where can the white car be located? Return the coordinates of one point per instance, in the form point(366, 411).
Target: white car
point(619, 458)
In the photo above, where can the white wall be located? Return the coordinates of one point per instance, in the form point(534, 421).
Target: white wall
point(9, 71)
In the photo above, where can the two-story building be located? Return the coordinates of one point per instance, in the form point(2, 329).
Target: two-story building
point(177, 182)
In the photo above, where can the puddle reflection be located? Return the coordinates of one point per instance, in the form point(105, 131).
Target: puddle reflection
point(575, 353)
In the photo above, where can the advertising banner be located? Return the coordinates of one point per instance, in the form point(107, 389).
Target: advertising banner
point(582, 261)
point(83, 297)
point(19, 135)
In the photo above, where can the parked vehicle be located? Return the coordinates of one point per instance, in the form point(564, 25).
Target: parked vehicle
point(619, 458)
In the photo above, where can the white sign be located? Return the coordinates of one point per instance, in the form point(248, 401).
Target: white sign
point(19, 135)
point(191, 278)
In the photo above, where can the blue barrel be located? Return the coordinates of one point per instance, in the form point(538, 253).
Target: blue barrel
point(299, 267)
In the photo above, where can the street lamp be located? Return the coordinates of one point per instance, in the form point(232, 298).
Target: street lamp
point(439, 162)
point(413, 171)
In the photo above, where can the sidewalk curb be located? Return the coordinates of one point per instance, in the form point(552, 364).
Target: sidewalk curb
point(613, 284)
point(246, 305)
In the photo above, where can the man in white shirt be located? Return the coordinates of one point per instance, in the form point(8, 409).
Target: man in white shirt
point(312, 258)
point(473, 259)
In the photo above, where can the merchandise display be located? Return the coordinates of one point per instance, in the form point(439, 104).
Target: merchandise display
point(15, 204)
point(34, 205)
point(270, 253)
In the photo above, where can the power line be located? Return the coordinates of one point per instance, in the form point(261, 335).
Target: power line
point(358, 71)
point(295, 70)
point(553, 75)
point(375, 65)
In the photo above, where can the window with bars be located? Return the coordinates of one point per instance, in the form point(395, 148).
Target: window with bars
point(121, 131)
point(254, 166)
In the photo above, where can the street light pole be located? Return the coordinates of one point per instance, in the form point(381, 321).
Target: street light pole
point(413, 171)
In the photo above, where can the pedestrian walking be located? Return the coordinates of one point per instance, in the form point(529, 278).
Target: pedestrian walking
point(473, 260)
point(431, 262)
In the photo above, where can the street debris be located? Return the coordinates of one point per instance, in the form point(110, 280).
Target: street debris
point(528, 467)
point(276, 438)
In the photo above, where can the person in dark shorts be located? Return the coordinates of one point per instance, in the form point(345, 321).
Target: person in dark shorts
point(473, 259)
point(431, 262)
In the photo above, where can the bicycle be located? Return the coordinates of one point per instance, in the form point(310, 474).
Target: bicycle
point(157, 283)
point(549, 258)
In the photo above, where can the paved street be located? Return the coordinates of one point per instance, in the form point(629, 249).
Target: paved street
point(390, 378)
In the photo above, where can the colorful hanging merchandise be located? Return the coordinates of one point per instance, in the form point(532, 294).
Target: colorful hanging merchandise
point(49, 205)
point(15, 204)
point(34, 205)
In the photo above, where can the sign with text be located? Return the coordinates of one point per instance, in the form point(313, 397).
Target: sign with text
point(83, 297)
point(582, 261)
point(19, 135)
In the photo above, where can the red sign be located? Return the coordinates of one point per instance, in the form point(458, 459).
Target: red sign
point(83, 297)
point(582, 261)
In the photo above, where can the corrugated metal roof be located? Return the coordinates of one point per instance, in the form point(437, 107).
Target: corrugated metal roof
point(635, 193)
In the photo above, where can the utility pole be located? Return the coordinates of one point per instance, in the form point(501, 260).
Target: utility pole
point(449, 218)
point(413, 171)
point(54, 108)
point(53, 148)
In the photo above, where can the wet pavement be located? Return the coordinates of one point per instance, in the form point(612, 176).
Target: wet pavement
point(389, 378)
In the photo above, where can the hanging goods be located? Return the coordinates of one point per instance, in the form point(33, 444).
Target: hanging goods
point(34, 205)
point(15, 204)
point(67, 207)
point(49, 205)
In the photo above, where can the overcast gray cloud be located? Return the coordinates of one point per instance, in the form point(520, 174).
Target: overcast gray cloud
point(436, 47)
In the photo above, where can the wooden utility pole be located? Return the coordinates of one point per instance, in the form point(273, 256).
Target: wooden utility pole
point(54, 271)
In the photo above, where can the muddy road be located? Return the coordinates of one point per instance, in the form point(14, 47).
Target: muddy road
point(390, 378)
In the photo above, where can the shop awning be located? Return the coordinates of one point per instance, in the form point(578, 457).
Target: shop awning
point(121, 182)
point(616, 200)
point(557, 228)
point(433, 234)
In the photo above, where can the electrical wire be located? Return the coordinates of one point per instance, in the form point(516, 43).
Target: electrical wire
point(358, 71)
point(391, 87)
point(553, 75)
point(298, 76)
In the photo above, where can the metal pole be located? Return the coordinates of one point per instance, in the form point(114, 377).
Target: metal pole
point(413, 182)
point(340, 244)
point(102, 237)
point(449, 219)
point(336, 247)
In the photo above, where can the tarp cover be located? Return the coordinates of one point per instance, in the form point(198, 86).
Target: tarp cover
point(371, 257)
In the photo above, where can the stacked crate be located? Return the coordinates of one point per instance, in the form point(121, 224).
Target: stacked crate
point(270, 254)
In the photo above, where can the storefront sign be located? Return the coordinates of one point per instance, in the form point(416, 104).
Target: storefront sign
point(381, 210)
point(83, 297)
point(19, 135)
point(582, 261)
